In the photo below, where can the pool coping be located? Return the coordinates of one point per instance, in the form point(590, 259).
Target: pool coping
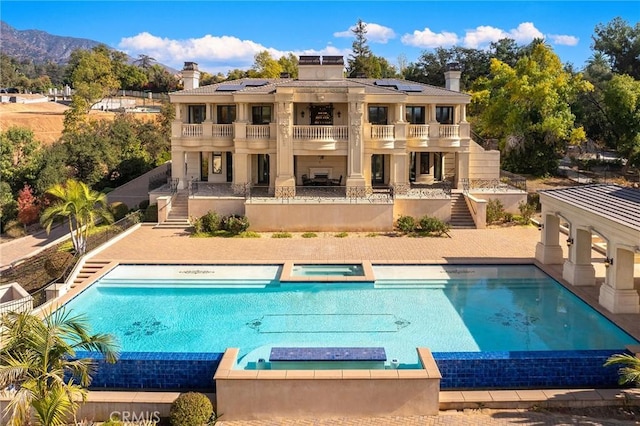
point(287, 272)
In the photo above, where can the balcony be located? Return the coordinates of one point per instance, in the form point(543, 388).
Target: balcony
point(449, 131)
point(192, 130)
point(418, 136)
point(221, 135)
point(258, 135)
point(320, 137)
point(380, 136)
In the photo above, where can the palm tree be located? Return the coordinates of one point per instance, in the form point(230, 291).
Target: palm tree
point(37, 361)
point(81, 205)
point(630, 372)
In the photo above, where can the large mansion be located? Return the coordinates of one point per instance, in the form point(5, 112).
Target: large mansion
point(305, 153)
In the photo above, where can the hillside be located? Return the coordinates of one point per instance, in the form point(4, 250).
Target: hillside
point(40, 46)
point(46, 119)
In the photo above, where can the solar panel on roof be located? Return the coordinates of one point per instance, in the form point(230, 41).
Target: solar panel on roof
point(386, 82)
point(229, 87)
point(255, 83)
point(409, 87)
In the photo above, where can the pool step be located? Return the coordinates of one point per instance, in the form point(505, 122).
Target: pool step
point(91, 270)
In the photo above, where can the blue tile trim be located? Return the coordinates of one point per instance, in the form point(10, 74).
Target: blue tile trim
point(536, 369)
point(155, 371)
point(328, 354)
point(460, 370)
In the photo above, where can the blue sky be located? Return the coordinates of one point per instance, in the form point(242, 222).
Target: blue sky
point(225, 35)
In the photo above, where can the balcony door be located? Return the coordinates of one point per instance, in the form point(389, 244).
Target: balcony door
point(377, 169)
point(263, 169)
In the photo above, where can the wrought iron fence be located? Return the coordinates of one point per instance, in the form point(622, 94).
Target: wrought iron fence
point(438, 190)
point(55, 264)
point(322, 194)
point(210, 189)
point(503, 184)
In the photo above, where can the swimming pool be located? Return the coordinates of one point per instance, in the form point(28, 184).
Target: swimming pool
point(449, 309)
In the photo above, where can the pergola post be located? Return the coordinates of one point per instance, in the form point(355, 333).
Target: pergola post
point(548, 250)
point(578, 269)
point(618, 294)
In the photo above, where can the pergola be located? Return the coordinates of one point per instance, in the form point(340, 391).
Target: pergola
point(611, 212)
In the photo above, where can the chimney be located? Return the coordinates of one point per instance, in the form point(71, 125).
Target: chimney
point(452, 76)
point(190, 76)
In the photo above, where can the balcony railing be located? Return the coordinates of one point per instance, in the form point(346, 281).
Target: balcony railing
point(451, 131)
point(192, 130)
point(258, 131)
point(222, 131)
point(382, 132)
point(321, 133)
point(419, 131)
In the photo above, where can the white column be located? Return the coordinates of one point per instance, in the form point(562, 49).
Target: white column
point(355, 166)
point(577, 269)
point(618, 294)
point(548, 250)
point(177, 168)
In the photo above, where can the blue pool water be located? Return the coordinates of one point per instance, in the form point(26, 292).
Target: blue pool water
point(445, 308)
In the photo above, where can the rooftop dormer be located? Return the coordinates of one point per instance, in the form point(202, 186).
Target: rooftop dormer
point(321, 68)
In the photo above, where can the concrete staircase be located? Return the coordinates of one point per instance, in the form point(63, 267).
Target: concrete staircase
point(460, 216)
point(91, 270)
point(178, 216)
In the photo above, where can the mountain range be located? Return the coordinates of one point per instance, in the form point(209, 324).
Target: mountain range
point(40, 46)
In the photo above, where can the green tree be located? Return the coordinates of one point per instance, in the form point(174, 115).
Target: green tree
point(621, 98)
point(527, 108)
point(620, 43)
point(53, 167)
point(359, 61)
point(94, 77)
point(264, 66)
point(289, 64)
point(19, 157)
point(8, 205)
point(144, 61)
point(629, 372)
point(37, 359)
point(81, 206)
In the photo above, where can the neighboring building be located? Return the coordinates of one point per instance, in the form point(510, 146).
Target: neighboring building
point(323, 152)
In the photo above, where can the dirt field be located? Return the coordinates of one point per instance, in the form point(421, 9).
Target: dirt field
point(45, 119)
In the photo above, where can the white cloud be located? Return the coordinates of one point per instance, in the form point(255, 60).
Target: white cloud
point(483, 36)
point(525, 33)
point(376, 33)
point(428, 38)
point(565, 40)
point(225, 51)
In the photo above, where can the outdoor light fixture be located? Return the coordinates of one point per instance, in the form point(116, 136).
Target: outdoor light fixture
point(569, 242)
point(608, 261)
point(339, 114)
point(302, 114)
point(540, 226)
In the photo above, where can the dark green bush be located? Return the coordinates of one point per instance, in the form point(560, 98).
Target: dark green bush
point(495, 211)
point(406, 224)
point(191, 409)
point(235, 224)
point(433, 225)
point(118, 210)
point(143, 204)
point(151, 213)
point(210, 222)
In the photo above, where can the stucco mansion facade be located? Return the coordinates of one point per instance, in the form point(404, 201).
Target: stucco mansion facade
point(325, 152)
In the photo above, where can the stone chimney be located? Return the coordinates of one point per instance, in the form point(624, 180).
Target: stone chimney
point(190, 76)
point(452, 76)
point(321, 68)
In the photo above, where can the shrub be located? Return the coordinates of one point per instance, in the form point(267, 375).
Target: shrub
point(143, 204)
point(495, 211)
point(372, 234)
point(14, 229)
point(235, 224)
point(191, 409)
point(433, 225)
point(210, 222)
point(341, 235)
point(118, 210)
point(57, 262)
point(248, 234)
point(309, 235)
point(406, 224)
point(151, 213)
point(527, 210)
point(281, 235)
